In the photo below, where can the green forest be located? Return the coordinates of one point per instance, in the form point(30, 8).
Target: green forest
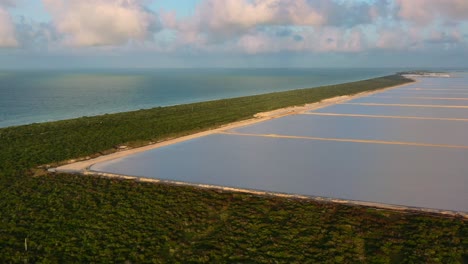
point(63, 218)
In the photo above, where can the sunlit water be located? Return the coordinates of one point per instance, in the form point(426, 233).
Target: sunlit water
point(38, 96)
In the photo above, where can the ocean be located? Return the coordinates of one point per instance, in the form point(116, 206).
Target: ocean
point(33, 96)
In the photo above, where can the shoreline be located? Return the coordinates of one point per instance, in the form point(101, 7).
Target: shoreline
point(318, 199)
point(241, 178)
point(84, 167)
point(177, 103)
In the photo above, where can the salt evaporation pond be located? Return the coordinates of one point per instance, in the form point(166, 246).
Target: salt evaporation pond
point(381, 148)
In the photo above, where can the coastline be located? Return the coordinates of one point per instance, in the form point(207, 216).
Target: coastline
point(84, 167)
point(159, 94)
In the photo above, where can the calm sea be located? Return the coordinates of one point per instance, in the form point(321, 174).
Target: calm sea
point(39, 96)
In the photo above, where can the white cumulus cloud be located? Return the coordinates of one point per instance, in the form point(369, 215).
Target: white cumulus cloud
point(336, 24)
point(7, 30)
point(101, 22)
point(426, 11)
point(234, 17)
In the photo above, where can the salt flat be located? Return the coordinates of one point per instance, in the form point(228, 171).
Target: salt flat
point(384, 149)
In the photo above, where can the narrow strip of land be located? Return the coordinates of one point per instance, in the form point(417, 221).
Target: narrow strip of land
point(347, 140)
point(423, 97)
point(427, 89)
point(426, 92)
point(409, 105)
point(385, 116)
point(83, 165)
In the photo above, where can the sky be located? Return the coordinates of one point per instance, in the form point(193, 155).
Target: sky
point(42, 34)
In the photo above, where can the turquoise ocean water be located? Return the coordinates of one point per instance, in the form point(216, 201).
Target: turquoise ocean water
point(40, 96)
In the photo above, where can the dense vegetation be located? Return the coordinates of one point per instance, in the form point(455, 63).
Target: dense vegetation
point(85, 219)
point(68, 218)
point(31, 145)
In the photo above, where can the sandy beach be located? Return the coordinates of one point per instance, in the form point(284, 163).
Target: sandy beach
point(83, 166)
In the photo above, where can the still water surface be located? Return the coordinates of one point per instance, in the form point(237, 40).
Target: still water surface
point(403, 175)
point(417, 100)
point(401, 130)
point(418, 176)
point(39, 96)
point(396, 111)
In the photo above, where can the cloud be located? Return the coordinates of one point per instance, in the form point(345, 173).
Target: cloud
point(248, 23)
point(423, 12)
point(442, 37)
point(242, 26)
point(325, 39)
point(8, 3)
point(413, 39)
point(227, 14)
point(7, 30)
point(102, 22)
point(227, 18)
point(392, 39)
point(36, 36)
point(349, 14)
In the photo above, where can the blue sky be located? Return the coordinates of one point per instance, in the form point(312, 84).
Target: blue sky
point(183, 8)
point(233, 33)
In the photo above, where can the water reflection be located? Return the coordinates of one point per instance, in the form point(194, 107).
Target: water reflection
point(404, 175)
point(395, 111)
point(402, 130)
point(420, 176)
point(411, 99)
